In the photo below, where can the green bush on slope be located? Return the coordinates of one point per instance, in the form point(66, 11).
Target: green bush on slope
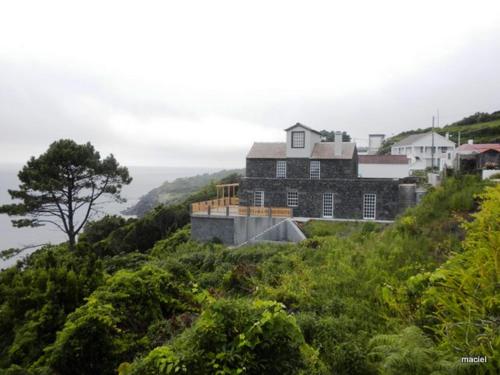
point(235, 337)
point(113, 324)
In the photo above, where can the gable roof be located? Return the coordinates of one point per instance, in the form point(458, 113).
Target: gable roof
point(267, 150)
point(303, 126)
point(383, 159)
point(277, 150)
point(326, 150)
point(411, 139)
point(478, 148)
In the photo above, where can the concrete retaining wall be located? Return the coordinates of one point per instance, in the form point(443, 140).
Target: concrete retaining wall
point(209, 228)
point(237, 230)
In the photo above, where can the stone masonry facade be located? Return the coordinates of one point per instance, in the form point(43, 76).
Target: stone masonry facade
point(337, 176)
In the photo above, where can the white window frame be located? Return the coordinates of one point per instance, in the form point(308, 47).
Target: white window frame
point(369, 206)
point(315, 173)
point(258, 197)
point(281, 169)
point(332, 204)
point(301, 141)
point(292, 198)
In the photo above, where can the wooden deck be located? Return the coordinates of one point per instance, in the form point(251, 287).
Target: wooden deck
point(227, 204)
point(230, 207)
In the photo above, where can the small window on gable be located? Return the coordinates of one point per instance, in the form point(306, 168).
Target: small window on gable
point(298, 139)
point(281, 169)
point(292, 198)
point(315, 169)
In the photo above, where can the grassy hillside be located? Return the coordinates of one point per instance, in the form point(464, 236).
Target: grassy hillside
point(174, 192)
point(408, 298)
point(481, 127)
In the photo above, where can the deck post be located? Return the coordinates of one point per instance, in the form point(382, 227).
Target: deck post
point(227, 210)
point(270, 212)
point(209, 210)
point(248, 210)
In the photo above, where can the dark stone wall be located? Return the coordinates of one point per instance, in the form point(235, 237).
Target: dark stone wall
point(348, 195)
point(299, 168)
point(261, 168)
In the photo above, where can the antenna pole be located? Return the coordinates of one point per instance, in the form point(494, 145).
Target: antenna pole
point(432, 149)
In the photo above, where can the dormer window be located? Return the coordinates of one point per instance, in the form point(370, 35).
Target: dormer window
point(298, 139)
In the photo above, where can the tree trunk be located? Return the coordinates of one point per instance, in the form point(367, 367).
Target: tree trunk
point(72, 241)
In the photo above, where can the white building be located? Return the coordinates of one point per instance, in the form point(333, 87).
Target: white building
point(419, 149)
point(383, 166)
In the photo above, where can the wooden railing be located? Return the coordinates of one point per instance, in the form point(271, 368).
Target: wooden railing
point(230, 206)
point(215, 203)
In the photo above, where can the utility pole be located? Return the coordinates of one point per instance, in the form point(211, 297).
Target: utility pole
point(432, 148)
point(458, 139)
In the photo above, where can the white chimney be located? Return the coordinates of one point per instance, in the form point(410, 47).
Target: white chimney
point(470, 141)
point(447, 135)
point(338, 143)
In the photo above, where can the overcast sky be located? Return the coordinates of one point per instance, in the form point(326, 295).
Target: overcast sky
point(194, 83)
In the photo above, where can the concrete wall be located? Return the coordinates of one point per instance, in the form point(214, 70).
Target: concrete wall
point(245, 228)
point(208, 228)
point(348, 195)
point(486, 173)
point(238, 230)
point(407, 196)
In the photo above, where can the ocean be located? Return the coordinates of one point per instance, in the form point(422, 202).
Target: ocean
point(144, 180)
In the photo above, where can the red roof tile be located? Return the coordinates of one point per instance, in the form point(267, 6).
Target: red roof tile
point(383, 159)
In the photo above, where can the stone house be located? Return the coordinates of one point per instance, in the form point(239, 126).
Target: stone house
point(317, 179)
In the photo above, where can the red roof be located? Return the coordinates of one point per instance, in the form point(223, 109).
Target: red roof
point(478, 148)
point(383, 159)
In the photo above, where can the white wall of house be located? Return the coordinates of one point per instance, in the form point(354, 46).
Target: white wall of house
point(311, 138)
point(383, 170)
point(420, 152)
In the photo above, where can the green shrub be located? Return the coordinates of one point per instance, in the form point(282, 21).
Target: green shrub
point(113, 325)
point(233, 337)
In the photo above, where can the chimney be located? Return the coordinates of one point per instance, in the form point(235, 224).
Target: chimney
point(338, 143)
point(447, 135)
point(470, 141)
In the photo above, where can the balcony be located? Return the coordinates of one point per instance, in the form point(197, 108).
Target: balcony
point(227, 204)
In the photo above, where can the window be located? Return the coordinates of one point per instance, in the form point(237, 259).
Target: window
point(421, 149)
point(292, 198)
point(369, 205)
point(258, 198)
point(328, 205)
point(315, 169)
point(281, 169)
point(298, 139)
point(443, 149)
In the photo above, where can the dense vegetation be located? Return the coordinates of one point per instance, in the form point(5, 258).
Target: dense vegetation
point(481, 127)
point(139, 297)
